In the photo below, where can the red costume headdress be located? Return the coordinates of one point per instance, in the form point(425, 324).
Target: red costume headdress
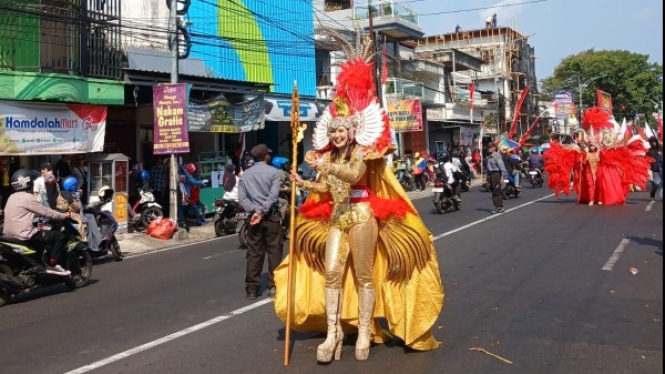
point(355, 104)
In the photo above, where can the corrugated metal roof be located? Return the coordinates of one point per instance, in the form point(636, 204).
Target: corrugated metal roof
point(141, 59)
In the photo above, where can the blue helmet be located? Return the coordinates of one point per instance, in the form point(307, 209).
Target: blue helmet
point(70, 184)
point(144, 176)
point(279, 162)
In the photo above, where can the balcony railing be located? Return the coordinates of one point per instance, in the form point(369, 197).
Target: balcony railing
point(389, 9)
point(75, 37)
point(404, 87)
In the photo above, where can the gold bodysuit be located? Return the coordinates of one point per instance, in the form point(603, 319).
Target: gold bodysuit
point(353, 228)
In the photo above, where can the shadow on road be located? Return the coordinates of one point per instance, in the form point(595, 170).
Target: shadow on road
point(45, 292)
point(648, 242)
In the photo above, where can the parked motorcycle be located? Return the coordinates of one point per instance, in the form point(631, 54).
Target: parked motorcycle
point(224, 219)
point(145, 210)
point(100, 212)
point(536, 177)
point(22, 267)
point(444, 198)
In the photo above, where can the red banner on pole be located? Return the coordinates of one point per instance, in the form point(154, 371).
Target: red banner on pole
point(516, 115)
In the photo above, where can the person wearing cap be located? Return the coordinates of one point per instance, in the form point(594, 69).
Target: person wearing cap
point(258, 191)
point(39, 186)
point(496, 170)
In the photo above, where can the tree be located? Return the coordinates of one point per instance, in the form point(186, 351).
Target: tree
point(636, 85)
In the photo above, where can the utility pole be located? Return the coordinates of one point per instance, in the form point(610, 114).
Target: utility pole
point(173, 43)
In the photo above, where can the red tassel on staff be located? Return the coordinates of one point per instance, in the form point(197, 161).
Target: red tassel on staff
point(518, 109)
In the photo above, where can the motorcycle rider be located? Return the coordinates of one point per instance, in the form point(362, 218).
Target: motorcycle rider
point(450, 170)
point(536, 160)
point(21, 210)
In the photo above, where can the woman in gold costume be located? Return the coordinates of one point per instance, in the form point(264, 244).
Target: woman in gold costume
point(362, 251)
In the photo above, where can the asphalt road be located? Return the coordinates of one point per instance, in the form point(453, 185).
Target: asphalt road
point(545, 285)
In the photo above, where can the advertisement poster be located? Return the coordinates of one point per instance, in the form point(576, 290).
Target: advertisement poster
point(220, 115)
point(170, 118)
point(45, 128)
point(333, 5)
point(564, 110)
point(604, 101)
point(405, 115)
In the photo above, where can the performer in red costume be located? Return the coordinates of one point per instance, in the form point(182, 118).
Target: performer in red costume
point(604, 166)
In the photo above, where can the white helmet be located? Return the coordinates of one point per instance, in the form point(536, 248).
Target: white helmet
point(105, 193)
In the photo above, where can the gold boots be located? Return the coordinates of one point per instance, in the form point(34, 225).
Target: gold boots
point(366, 309)
point(333, 343)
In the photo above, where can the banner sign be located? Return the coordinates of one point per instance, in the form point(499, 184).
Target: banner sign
point(564, 97)
point(333, 5)
point(28, 128)
point(604, 101)
point(405, 115)
point(279, 110)
point(220, 115)
point(564, 110)
point(170, 118)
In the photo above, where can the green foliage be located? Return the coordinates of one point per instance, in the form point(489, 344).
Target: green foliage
point(634, 83)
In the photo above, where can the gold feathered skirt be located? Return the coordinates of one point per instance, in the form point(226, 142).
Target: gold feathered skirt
point(410, 303)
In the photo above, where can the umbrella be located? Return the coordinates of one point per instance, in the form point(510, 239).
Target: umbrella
point(509, 143)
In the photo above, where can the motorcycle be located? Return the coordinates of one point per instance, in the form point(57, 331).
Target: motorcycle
point(22, 267)
point(243, 217)
point(406, 180)
point(508, 190)
point(145, 210)
point(107, 226)
point(224, 219)
point(536, 177)
point(444, 198)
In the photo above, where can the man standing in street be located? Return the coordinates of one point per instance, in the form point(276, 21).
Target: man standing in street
point(655, 152)
point(496, 169)
point(258, 191)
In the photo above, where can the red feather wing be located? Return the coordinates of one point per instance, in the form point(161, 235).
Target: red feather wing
point(631, 162)
point(559, 163)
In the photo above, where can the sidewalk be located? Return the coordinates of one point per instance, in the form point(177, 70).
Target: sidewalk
point(136, 243)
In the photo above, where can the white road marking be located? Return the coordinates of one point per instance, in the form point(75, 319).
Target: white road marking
point(648, 208)
point(166, 339)
point(615, 256)
point(489, 218)
point(220, 254)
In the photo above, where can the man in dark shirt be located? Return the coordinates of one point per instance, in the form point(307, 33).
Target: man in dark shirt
point(63, 168)
point(258, 191)
point(536, 160)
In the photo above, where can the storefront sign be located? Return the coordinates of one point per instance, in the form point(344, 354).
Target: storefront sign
point(44, 128)
point(564, 97)
point(170, 118)
point(279, 110)
point(604, 101)
point(436, 114)
point(219, 115)
point(405, 115)
point(333, 5)
point(120, 211)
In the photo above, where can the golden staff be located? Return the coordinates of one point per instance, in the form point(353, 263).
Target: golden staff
point(297, 134)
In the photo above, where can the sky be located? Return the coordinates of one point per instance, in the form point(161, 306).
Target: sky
point(556, 28)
